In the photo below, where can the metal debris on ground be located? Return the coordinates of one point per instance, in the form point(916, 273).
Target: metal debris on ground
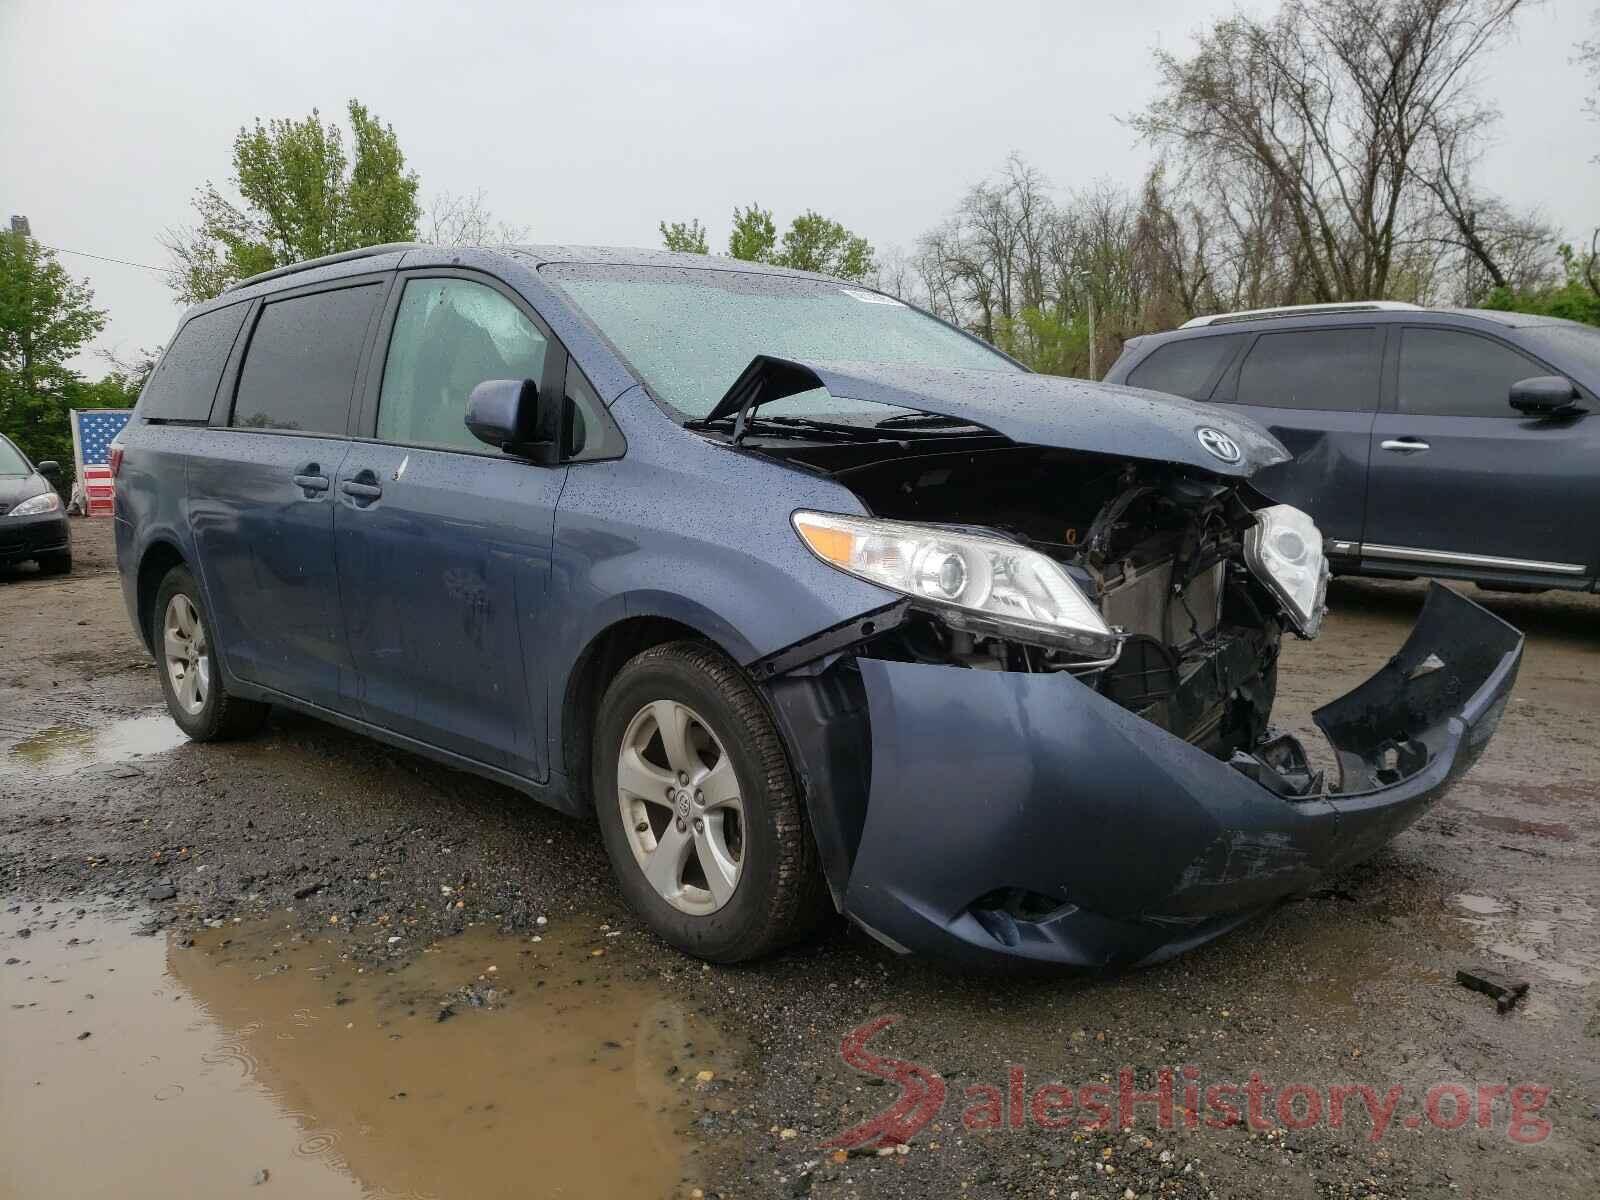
point(1506, 992)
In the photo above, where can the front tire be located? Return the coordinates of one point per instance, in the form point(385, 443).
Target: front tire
point(56, 564)
point(186, 654)
point(700, 812)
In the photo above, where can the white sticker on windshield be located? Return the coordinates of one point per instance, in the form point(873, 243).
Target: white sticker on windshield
point(871, 297)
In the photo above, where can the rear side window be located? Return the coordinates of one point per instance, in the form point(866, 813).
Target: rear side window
point(301, 365)
point(1187, 368)
point(185, 383)
point(1330, 369)
point(449, 336)
point(1451, 373)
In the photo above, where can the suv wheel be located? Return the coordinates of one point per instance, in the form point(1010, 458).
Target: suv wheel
point(196, 696)
point(699, 810)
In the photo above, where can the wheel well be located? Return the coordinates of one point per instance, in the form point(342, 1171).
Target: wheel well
point(596, 667)
point(160, 558)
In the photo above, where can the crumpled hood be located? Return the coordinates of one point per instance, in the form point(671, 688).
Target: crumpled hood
point(1040, 410)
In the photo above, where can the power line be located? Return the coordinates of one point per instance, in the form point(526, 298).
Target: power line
point(103, 258)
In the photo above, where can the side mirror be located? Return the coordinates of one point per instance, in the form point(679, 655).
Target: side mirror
point(49, 468)
point(1543, 395)
point(507, 413)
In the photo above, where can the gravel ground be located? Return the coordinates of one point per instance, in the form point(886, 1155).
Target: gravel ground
point(1352, 985)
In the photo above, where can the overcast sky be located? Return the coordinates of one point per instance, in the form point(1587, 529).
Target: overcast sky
point(590, 122)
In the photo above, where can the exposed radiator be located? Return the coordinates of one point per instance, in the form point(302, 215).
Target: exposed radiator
point(1142, 602)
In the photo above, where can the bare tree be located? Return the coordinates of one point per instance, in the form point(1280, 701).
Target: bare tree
point(465, 220)
point(1356, 115)
point(895, 273)
point(1588, 58)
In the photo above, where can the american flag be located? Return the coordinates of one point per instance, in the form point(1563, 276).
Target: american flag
point(93, 431)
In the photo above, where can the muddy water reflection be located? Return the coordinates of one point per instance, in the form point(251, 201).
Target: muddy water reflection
point(61, 749)
point(550, 1075)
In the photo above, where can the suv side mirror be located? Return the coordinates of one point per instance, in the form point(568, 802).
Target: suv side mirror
point(508, 413)
point(49, 468)
point(1543, 395)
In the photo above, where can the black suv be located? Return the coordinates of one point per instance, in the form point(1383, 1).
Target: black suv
point(1449, 442)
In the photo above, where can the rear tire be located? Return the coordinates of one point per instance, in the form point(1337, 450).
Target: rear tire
point(738, 874)
point(186, 654)
point(55, 564)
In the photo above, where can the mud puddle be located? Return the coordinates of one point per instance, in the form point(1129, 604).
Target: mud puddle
point(488, 1066)
point(65, 748)
point(1547, 938)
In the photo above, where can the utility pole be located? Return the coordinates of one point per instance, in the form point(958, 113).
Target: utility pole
point(1094, 368)
point(1082, 277)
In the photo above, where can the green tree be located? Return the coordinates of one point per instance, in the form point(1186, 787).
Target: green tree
point(1577, 298)
point(46, 317)
point(754, 237)
point(814, 242)
point(300, 196)
point(689, 237)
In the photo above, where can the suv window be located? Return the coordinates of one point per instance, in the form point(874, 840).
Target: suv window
point(449, 336)
point(1326, 369)
point(301, 365)
point(1185, 368)
point(185, 383)
point(1449, 372)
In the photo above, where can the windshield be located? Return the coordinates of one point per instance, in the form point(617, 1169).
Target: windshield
point(1570, 342)
point(11, 462)
point(688, 332)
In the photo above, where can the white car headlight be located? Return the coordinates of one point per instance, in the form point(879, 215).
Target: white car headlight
point(977, 583)
point(1284, 549)
point(48, 502)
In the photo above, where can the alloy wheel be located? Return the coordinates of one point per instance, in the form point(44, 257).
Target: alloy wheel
point(183, 637)
point(681, 807)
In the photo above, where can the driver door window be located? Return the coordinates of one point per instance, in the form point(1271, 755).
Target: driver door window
point(1450, 373)
point(449, 336)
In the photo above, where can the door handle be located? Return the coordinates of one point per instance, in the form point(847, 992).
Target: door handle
point(1405, 445)
point(361, 491)
point(310, 479)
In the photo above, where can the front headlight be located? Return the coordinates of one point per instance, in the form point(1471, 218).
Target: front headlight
point(48, 502)
point(1285, 552)
point(976, 583)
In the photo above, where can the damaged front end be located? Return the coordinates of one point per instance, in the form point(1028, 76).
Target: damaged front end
point(1057, 748)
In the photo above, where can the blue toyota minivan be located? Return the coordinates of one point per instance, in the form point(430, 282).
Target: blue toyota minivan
point(810, 600)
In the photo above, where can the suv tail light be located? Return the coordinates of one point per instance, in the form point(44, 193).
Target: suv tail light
point(116, 459)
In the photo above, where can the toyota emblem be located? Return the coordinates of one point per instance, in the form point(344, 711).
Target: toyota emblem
point(1218, 444)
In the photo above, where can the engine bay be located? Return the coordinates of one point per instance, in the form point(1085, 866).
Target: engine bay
point(1159, 550)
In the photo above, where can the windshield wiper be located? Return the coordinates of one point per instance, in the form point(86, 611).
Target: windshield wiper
point(823, 430)
point(928, 420)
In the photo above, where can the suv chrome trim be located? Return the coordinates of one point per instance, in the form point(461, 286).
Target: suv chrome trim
point(1406, 553)
point(1295, 310)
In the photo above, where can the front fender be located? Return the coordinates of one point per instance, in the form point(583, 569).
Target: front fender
point(695, 532)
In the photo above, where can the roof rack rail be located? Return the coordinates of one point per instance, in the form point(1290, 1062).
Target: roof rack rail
point(325, 261)
point(1293, 310)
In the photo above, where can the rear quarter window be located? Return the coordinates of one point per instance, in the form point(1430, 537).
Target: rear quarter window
point(1188, 368)
point(185, 383)
point(300, 367)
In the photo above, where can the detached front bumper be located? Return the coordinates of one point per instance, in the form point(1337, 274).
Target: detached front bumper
point(1023, 818)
